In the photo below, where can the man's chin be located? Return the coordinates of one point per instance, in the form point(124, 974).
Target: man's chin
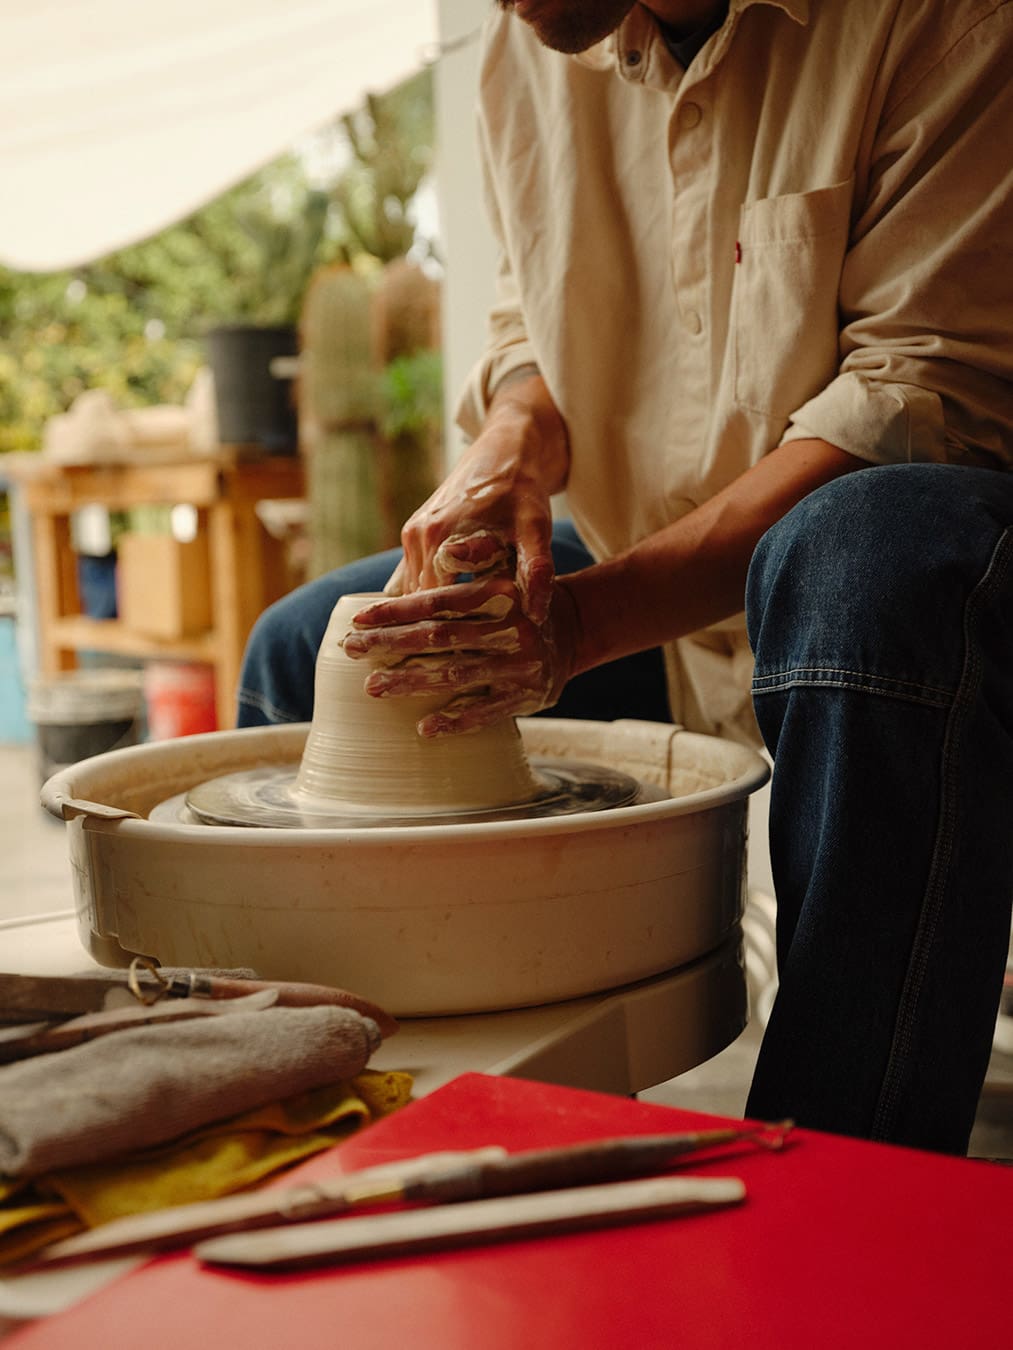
point(567, 27)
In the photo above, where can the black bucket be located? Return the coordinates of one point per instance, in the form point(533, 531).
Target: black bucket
point(83, 713)
point(255, 406)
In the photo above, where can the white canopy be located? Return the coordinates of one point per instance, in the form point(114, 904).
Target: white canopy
point(118, 117)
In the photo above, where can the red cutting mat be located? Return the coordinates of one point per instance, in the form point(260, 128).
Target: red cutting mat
point(839, 1244)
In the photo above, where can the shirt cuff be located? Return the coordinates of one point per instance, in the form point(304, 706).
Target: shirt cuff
point(485, 378)
point(877, 422)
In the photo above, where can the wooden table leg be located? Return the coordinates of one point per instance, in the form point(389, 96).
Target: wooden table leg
point(238, 592)
point(57, 591)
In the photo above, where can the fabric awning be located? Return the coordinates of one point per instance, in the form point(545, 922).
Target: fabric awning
point(118, 118)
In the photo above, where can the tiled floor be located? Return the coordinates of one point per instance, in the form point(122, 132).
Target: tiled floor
point(36, 890)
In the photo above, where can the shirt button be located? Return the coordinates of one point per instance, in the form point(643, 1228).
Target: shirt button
point(693, 322)
point(633, 58)
point(690, 115)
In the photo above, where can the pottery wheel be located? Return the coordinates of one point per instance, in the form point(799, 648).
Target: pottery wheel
point(267, 797)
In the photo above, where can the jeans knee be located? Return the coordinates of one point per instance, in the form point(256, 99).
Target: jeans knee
point(874, 565)
point(809, 562)
point(268, 628)
point(274, 631)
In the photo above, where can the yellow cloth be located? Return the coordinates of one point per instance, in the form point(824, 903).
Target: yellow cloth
point(232, 1155)
point(29, 1220)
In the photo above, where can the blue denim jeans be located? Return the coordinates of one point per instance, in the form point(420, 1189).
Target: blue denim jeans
point(881, 614)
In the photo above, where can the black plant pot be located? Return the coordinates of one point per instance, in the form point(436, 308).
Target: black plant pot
point(255, 406)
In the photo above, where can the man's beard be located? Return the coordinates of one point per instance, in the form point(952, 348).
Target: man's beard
point(570, 25)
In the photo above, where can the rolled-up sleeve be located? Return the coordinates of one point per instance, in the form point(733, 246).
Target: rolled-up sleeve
point(507, 350)
point(926, 291)
point(508, 346)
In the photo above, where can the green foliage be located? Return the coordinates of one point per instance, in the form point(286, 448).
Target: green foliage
point(413, 396)
point(133, 322)
point(63, 333)
point(271, 233)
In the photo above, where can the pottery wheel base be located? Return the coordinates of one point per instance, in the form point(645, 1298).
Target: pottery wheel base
point(427, 921)
point(267, 797)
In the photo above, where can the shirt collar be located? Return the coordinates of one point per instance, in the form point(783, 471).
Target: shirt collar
point(795, 9)
point(633, 31)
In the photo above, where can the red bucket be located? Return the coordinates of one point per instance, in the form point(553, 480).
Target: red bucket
point(180, 699)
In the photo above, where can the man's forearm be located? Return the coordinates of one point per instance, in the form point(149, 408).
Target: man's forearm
point(692, 573)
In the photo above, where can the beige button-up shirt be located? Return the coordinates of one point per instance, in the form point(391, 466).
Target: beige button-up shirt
point(806, 234)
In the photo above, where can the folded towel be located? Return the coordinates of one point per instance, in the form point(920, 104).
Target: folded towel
point(138, 1088)
point(230, 1155)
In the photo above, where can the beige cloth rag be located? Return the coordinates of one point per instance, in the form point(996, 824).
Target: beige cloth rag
point(137, 1088)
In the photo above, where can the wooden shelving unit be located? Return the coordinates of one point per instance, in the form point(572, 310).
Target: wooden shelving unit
point(247, 568)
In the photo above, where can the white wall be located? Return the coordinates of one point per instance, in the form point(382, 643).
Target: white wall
point(468, 249)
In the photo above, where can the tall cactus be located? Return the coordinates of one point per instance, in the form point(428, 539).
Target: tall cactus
point(339, 402)
point(369, 407)
point(406, 323)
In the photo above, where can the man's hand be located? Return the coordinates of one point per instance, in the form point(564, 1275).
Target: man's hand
point(492, 511)
point(474, 642)
point(477, 643)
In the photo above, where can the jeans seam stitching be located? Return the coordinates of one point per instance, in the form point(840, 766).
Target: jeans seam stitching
point(929, 700)
point(264, 705)
point(858, 687)
point(928, 919)
point(863, 676)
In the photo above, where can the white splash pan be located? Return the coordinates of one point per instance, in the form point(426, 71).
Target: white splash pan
point(425, 920)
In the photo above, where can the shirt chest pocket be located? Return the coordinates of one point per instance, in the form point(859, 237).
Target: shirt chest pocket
point(785, 322)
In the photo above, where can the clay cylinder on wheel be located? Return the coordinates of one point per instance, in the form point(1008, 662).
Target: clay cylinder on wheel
point(366, 753)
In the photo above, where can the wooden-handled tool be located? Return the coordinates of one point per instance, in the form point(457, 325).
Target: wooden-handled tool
point(544, 1214)
point(34, 999)
point(434, 1179)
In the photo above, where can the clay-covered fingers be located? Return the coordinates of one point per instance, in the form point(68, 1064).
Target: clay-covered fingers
point(535, 570)
point(440, 542)
point(475, 550)
point(474, 712)
point(452, 673)
point(472, 618)
point(535, 576)
point(396, 583)
point(384, 646)
point(472, 642)
point(472, 601)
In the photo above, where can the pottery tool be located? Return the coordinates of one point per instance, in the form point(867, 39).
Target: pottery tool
point(500, 1220)
point(46, 998)
point(40, 1014)
point(26, 1039)
point(432, 1179)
